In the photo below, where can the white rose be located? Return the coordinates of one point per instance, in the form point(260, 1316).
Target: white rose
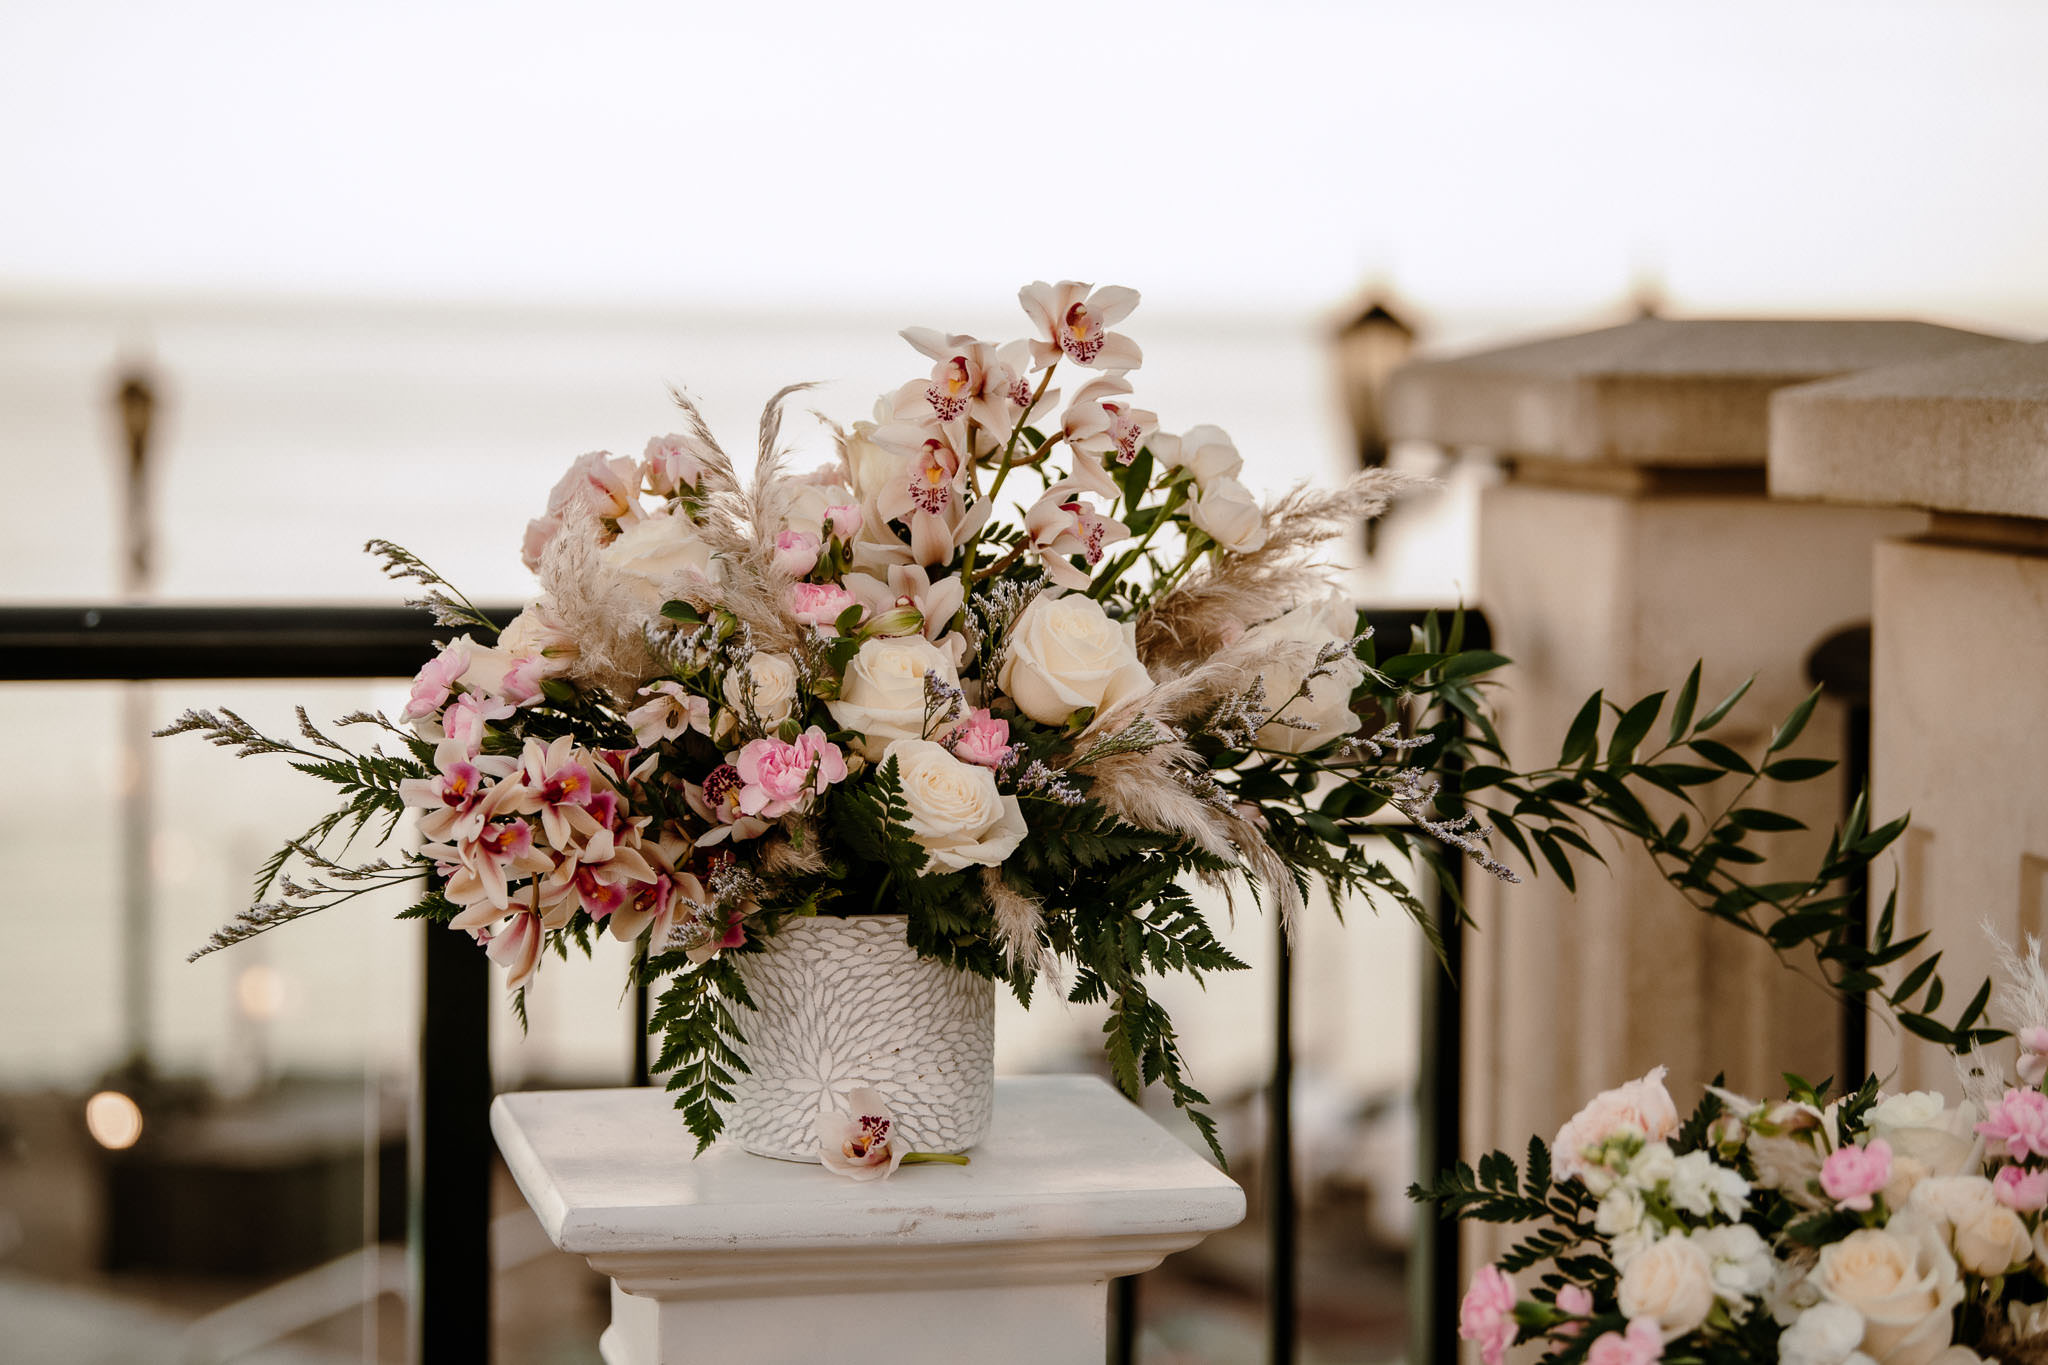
point(1825, 1334)
point(1205, 452)
point(881, 698)
point(1290, 642)
point(537, 633)
point(774, 679)
point(1230, 514)
point(651, 554)
point(955, 811)
point(1065, 653)
point(1740, 1261)
point(1903, 1281)
point(808, 503)
point(1671, 1281)
point(1986, 1236)
point(1914, 1109)
point(1927, 1139)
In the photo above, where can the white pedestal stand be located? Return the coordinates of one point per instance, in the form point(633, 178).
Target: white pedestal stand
point(746, 1261)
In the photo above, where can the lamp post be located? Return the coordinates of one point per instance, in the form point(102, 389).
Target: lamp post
point(136, 402)
point(1370, 348)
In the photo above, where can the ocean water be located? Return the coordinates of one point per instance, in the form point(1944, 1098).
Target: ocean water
point(289, 436)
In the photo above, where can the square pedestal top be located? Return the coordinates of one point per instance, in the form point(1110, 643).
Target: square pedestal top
point(1068, 1159)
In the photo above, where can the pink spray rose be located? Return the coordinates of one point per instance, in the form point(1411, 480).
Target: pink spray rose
point(1643, 1107)
point(776, 776)
point(1487, 1316)
point(430, 689)
point(1642, 1344)
point(672, 464)
point(1851, 1175)
point(1576, 1300)
point(819, 604)
point(2021, 1190)
point(796, 552)
point(982, 739)
point(464, 721)
point(844, 519)
point(2018, 1124)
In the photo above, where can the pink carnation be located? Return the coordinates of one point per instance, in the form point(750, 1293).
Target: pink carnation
point(776, 775)
point(1576, 1300)
point(1487, 1316)
point(981, 738)
point(2018, 1124)
point(819, 604)
point(1643, 1107)
point(1642, 1344)
point(2021, 1190)
point(1851, 1175)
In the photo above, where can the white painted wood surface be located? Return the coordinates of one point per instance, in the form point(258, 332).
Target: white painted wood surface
point(738, 1258)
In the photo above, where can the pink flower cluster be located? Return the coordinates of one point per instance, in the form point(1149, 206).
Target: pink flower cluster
point(2017, 1125)
point(1852, 1175)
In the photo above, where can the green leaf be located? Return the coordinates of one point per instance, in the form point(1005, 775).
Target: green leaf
point(1630, 729)
point(1720, 712)
point(1479, 776)
point(1714, 751)
point(1798, 769)
point(1471, 663)
point(1584, 732)
point(1751, 817)
point(1794, 723)
point(681, 611)
point(1682, 709)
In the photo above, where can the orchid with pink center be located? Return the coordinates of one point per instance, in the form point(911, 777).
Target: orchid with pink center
point(673, 465)
point(555, 781)
point(932, 474)
point(515, 946)
point(669, 712)
point(718, 803)
point(431, 686)
point(1852, 1175)
point(972, 379)
point(1100, 425)
point(903, 591)
point(453, 800)
point(718, 937)
point(1073, 321)
point(796, 553)
point(819, 604)
point(500, 852)
point(664, 903)
point(2017, 1125)
point(1060, 525)
point(780, 776)
point(858, 1142)
point(983, 739)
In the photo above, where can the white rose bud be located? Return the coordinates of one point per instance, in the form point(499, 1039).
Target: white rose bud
point(1986, 1236)
point(955, 811)
point(1673, 1282)
point(774, 679)
point(1205, 452)
point(881, 698)
point(1065, 653)
point(1285, 649)
point(1230, 514)
point(653, 555)
point(1903, 1281)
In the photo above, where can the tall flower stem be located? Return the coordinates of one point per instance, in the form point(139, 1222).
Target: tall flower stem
point(967, 574)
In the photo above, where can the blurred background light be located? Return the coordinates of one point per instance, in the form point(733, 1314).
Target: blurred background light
point(114, 1120)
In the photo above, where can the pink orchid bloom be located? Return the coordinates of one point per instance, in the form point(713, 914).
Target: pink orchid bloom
point(673, 465)
point(778, 777)
point(982, 739)
point(972, 379)
point(718, 940)
point(600, 484)
point(1073, 321)
point(499, 853)
point(819, 604)
point(718, 803)
point(1101, 425)
point(1060, 525)
point(796, 553)
point(1487, 1315)
point(1641, 1344)
point(669, 712)
point(515, 947)
point(665, 903)
point(1852, 1175)
point(858, 1142)
point(932, 474)
point(2020, 1189)
point(431, 686)
point(2017, 1125)
point(453, 801)
point(555, 781)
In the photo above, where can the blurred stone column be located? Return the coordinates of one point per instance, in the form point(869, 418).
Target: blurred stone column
point(1632, 536)
point(1960, 669)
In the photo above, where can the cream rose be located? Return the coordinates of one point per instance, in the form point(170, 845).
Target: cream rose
point(1290, 642)
point(1903, 1281)
point(881, 697)
point(956, 813)
point(1986, 1236)
point(774, 684)
point(1205, 452)
point(1642, 1107)
point(1927, 1139)
point(1671, 1281)
point(651, 554)
point(1065, 653)
point(1230, 514)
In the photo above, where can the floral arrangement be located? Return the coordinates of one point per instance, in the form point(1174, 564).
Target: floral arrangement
point(1899, 1229)
point(1023, 667)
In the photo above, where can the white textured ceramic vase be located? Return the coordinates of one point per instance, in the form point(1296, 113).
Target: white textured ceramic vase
point(844, 1003)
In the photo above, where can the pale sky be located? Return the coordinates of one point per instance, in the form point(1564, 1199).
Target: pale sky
point(1240, 158)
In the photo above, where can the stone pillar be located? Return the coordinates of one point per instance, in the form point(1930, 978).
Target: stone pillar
point(733, 1257)
point(1632, 536)
point(1960, 668)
